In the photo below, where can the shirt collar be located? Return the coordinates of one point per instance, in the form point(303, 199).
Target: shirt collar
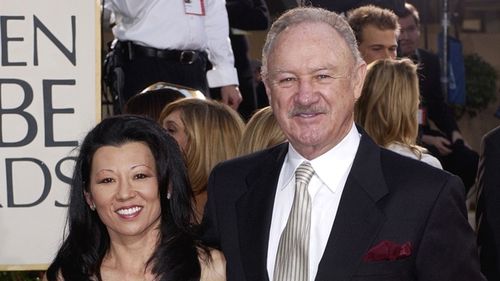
point(338, 159)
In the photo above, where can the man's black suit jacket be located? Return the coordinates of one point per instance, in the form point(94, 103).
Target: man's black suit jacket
point(488, 206)
point(386, 197)
point(432, 95)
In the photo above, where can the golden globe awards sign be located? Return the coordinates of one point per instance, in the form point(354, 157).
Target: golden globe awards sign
point(49, 99)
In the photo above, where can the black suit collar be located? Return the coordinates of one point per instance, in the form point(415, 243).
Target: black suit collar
point(254, 212)
point(356, 224)
point(358, 218)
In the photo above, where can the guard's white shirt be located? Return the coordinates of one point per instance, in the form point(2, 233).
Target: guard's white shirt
point(163, 24)
point(325, 188)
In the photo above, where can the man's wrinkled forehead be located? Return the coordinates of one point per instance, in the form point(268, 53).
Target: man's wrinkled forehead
point(300, 32)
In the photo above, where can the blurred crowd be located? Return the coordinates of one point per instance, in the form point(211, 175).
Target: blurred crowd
point(192, 176)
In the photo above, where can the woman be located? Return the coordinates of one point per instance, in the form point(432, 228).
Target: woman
point(151, 101)
point(388, 108)
point(130, 212)
point(261, 131)
point(208, 132)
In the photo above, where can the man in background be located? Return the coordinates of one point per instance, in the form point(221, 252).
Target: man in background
point(376, 30)
point(488, 205)
point(446, 143)
point(179, 42)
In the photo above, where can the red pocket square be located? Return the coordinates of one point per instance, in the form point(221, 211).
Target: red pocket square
point(388, 251)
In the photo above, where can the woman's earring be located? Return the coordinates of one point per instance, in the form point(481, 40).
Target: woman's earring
point(92, 207)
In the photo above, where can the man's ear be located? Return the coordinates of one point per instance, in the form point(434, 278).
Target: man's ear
point(359, 75)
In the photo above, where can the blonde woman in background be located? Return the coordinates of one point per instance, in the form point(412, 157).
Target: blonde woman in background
point(388, 108)
point(261, 131)
point(208, 132)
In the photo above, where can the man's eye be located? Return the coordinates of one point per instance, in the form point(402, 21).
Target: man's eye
point(323, 76)
point(288, 79)
point(287, 82)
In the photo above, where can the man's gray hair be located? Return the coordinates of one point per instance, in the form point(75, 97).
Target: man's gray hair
point(301, 15)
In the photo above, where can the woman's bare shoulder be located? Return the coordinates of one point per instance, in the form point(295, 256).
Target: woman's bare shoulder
point(213, 268)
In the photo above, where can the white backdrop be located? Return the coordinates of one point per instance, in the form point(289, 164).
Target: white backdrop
point(49, 99)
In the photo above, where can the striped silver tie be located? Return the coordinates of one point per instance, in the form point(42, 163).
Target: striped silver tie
point(292, 258)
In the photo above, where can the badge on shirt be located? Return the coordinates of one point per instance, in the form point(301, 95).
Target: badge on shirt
point(194, 7)
point(422, 116)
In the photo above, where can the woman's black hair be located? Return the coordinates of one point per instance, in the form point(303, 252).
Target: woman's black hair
point(151, 103)
point(87, 242)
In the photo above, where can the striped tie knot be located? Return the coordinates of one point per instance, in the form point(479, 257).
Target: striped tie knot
point(304, 173)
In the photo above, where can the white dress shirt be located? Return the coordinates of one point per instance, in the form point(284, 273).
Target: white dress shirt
point(163, 24)
point(325, 188)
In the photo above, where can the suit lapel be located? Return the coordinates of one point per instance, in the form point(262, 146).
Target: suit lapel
point(358, 218)
point(254, 212)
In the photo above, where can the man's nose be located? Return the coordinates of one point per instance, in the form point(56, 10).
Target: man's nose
point(403, 35)
point(305, 92)
point(389, 54)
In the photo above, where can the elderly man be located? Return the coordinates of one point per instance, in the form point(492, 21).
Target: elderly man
point(331, 204)
point(447, 143)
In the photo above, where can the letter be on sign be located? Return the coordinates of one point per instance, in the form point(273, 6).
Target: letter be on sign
point(20, 111)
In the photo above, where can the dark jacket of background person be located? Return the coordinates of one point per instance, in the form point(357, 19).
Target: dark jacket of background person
point(462, 161)
point(488, 206)
point(432, 94)
point(245, 15)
